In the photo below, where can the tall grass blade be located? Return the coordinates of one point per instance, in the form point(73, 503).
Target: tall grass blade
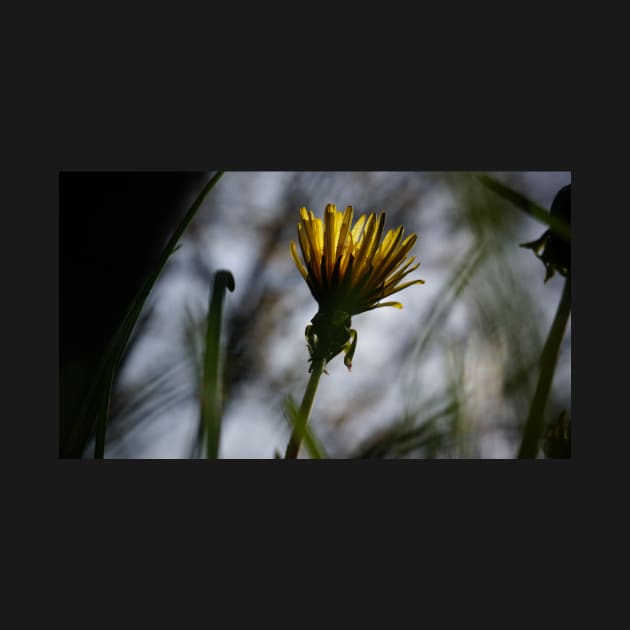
point(103, 415)
point(534, 426)
point(97, 397)
point(212, 383)
point(302, 430)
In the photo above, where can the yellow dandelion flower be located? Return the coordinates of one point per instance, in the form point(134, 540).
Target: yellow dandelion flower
point(349, 270)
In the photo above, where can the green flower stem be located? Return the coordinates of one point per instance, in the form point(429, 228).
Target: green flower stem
point(305, 409)
point(534, 426)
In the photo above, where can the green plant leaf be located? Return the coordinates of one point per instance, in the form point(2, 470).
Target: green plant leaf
point(212, 382)
point(95, 406)
point(560, 226)
point(303, 431)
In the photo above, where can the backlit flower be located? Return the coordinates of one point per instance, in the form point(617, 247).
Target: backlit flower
point(349, 270)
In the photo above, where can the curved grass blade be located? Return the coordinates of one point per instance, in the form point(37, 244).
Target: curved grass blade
point(211, 399)
point(96, 401)
point(559, 226)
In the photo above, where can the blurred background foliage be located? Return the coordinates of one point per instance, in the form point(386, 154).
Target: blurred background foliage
point(452, 375)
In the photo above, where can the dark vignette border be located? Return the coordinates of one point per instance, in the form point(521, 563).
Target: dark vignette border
point(469, 136)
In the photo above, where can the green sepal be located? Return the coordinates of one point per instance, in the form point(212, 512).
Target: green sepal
point(350, 348)
point(329, 334)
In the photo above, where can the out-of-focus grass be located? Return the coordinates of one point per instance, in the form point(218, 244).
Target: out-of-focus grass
point(95, 408)
point(212, 382)
point(487, 364)
point(533, 431)
point(303, 431)
point(502, 315)
point(520, 201)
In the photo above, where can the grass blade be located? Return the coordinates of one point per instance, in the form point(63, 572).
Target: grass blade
point(534, 426)
point(211, 399)
point(96, 402)
point(302, 430)
point(460, 278)
point(560, 226)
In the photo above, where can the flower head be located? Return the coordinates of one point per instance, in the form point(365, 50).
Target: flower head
point(349, 270)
